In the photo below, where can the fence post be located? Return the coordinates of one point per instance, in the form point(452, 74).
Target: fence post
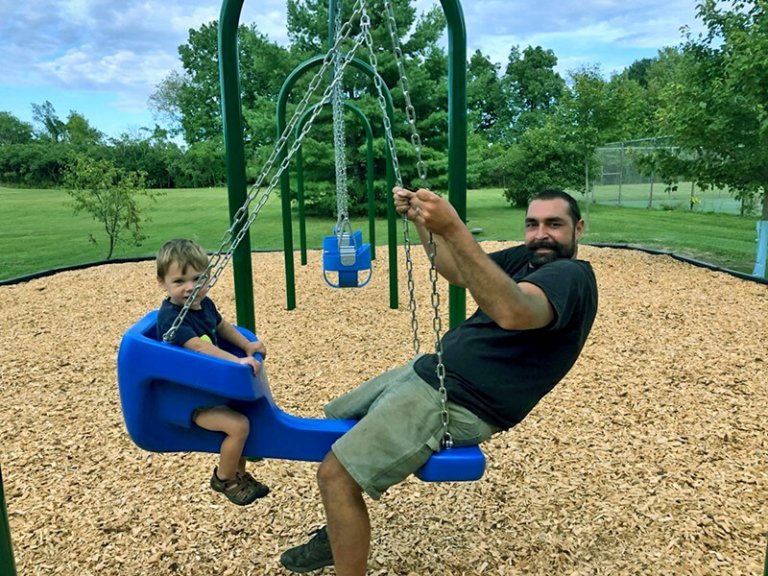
point(7, 565)
point(761, 259)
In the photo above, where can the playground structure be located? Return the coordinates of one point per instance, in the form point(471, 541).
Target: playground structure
point(159, 390)
point(233, 142)
point(167, 561)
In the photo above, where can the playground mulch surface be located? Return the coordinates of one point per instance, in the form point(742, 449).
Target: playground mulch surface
point(650, 458)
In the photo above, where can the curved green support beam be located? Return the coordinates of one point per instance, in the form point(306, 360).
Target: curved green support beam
point(234, 149)
point(368, 176)
point(285, 188)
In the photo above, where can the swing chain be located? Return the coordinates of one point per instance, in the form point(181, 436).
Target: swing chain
point(447, 440)
point(365, 23)
point(242, 219)
point(339, 142)
point(405, 85)
point(390, 142)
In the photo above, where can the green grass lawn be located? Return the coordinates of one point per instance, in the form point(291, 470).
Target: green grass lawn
point(658, 196)
point(39, 231)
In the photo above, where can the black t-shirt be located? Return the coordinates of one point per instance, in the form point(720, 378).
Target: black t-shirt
point(499, 374)
point(201, 323)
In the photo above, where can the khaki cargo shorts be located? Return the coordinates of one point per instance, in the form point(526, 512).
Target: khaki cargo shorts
point(399, 428)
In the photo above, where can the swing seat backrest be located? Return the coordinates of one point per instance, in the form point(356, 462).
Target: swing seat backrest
point(346, 257)
point(161, 385)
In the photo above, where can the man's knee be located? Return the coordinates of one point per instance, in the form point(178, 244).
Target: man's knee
point(332, 474)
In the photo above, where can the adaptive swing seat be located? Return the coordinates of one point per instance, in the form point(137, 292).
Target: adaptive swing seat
point(346, 255)
point(161, 385)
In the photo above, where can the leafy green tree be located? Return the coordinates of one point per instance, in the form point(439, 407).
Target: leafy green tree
point(79, 132)
point(150, 153)
point(111, 196)
point(534, 88)
point(588, 116)
point(35, 163)
point(54, 128)
point(201, 165)
point(489, 112)
point(716, 107)
point(561, 151)
point(193, 98)
point(544, 157)
point(13, 130)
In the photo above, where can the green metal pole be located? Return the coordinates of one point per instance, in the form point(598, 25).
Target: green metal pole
point(7, 565)
point(232, 119)
point(457, 135)
point(301, 211)
point(765, 568)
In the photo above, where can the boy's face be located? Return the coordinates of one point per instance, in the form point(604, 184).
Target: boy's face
point(179, 284)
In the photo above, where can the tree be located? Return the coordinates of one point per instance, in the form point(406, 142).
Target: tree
point(79, 132)
point(544, 157)
point(716, 105)
point(53, 127)
point(13, 130)
point(111, 196)
point(193, 99)
point(486, 99)
point(533, 86)
point(561, 151)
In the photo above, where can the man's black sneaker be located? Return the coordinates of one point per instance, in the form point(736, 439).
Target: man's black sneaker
point(313, 555)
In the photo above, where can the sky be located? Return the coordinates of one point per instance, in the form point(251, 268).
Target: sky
point(103, 59)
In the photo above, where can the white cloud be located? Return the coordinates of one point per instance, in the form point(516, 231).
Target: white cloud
point(126, 48)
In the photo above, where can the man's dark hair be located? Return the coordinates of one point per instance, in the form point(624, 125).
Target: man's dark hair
point(552, 193)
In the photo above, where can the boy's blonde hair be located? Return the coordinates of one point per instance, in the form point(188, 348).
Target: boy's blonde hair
point(182, 252)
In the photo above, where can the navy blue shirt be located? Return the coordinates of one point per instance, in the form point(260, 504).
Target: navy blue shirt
point(499, 374)
point(197, 323)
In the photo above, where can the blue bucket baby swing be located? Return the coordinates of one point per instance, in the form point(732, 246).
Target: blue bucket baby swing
point(161, 384)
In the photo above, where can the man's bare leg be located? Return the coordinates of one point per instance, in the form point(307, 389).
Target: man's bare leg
point(349, 528)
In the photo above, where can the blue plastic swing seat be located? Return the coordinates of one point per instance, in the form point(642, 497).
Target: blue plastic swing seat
point(161, 385)
point(346, 256)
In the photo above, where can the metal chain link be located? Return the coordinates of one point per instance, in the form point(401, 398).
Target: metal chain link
point(231, 240)
point(365, 23)
point(339, 143)
point(405, 85)
point(432, 246)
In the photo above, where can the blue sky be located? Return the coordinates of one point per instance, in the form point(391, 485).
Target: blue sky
point(103, 58)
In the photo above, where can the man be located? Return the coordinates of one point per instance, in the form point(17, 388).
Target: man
point(536, 306)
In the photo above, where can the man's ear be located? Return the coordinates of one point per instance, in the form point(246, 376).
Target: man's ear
point(579, 230)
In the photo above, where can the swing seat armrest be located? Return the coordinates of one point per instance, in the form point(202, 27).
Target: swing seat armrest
point(143, 357)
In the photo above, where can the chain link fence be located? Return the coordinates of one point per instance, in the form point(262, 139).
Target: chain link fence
point(625, 178)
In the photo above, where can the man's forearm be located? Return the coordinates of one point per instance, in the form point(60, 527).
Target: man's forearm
point(493, 290)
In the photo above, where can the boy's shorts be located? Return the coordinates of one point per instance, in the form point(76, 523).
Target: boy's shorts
point(400, 428)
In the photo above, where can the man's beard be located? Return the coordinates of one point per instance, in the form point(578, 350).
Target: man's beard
point(556, 251)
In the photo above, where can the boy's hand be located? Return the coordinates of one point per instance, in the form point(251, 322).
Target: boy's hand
point(256, 348)
point(252, 362)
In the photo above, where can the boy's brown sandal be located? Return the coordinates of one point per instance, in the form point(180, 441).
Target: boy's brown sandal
point(241, 490)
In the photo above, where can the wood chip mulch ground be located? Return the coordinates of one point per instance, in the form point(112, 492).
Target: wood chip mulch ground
point(650, 458)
